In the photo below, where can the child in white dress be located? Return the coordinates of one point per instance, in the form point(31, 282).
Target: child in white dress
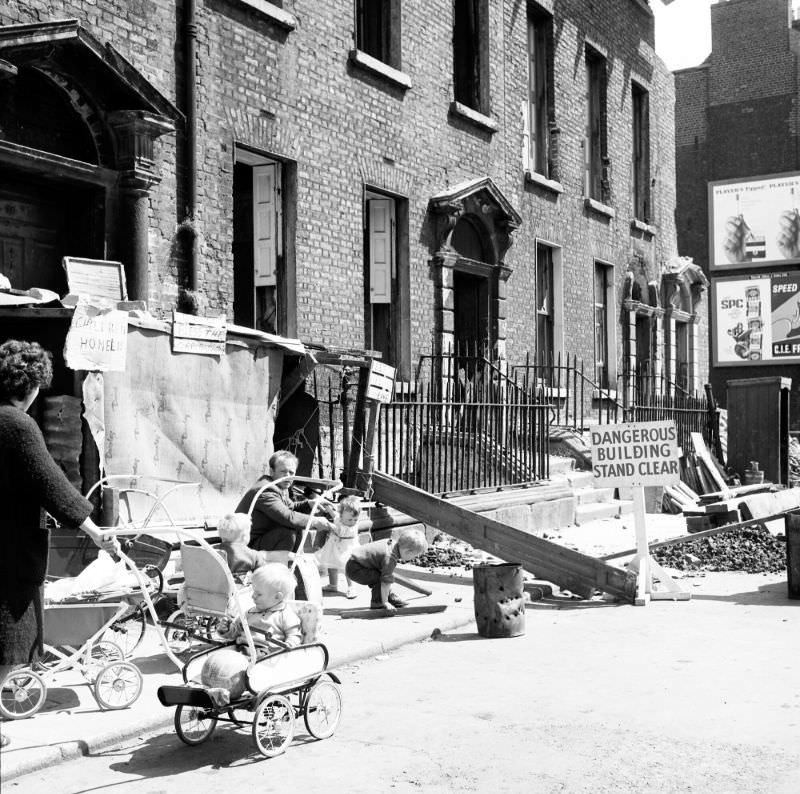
point(340, 543)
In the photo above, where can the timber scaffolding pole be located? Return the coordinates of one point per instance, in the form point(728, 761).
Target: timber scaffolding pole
point(568, 569)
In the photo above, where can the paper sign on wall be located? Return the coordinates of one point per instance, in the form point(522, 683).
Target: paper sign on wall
point(97, 339)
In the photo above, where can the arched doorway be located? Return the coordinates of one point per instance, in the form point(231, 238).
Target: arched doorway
point(76, 155)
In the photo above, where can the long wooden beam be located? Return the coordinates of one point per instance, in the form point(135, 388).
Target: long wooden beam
point(569, 569)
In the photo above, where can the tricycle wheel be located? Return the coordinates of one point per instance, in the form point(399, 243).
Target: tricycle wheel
point(194, 725)
point(273, 725)
point(118, 685)
point(323, 708)
point(22, 694)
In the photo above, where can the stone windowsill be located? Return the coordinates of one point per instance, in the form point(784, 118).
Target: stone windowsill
point(644, 228)
point(540, 180)
point(379, 68)
point(599, 207)
point(478, 119)
point(277, 15)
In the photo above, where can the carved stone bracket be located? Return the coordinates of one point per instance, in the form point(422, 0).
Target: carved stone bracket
point(135, 132)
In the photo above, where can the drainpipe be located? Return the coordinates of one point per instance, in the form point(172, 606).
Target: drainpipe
point(190, 80)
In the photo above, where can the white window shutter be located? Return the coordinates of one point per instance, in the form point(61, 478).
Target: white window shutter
point(526, 136)
point(381, 249)
point(265, 224)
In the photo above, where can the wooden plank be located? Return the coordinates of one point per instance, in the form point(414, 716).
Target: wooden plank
point(371, 614)
point(704, 456)
point(569, 569)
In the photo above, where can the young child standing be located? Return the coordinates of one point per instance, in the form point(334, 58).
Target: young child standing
point(373, 564)
point(339, 544)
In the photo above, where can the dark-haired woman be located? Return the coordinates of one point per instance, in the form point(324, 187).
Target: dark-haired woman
point(30, 480)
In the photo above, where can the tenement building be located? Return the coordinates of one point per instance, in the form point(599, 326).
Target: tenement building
point(397, 176)
point(738, 172)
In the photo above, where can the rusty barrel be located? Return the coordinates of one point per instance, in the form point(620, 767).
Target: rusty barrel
point(499, 599)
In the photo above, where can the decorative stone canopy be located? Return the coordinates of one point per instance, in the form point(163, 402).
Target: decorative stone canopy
point(485, 202)
point(111, 96)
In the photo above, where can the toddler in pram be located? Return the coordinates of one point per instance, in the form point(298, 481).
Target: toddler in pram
point(275, 679)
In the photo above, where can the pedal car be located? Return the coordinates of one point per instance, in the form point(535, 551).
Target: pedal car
point(271, 687)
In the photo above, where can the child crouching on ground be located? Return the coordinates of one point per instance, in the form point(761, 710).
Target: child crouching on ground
point(373, 564)
point(273, 584)
point(234, 532)
point(340, 543)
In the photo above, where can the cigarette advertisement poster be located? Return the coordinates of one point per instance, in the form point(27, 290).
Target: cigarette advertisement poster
point(635, 454)
point(756, 320)
point(754, 222)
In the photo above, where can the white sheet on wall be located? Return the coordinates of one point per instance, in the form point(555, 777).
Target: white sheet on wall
point(192, 418)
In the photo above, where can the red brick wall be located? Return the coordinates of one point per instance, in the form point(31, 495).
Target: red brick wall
point(293, 95)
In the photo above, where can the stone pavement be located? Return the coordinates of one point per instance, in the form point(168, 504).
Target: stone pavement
point(72, 724)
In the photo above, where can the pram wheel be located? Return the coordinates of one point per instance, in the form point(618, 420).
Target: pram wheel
point(180, 631)
point(194, 725)
point(128, 632)
point(105, 651)
point(323, 708)
point(22, 694)
point(118, 685)
point(273, 725)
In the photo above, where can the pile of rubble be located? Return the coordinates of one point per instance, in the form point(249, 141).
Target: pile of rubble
point(446, 555)
point(752, 550)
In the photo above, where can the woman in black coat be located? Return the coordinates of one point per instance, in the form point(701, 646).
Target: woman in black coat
point(30, 480)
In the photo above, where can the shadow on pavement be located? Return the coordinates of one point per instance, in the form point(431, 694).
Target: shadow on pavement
point(768, 595)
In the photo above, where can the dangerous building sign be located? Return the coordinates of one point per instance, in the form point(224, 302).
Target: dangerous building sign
point(642, 453)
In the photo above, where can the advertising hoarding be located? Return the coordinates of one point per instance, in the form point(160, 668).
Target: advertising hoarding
point(756, 319)
point(754, 222)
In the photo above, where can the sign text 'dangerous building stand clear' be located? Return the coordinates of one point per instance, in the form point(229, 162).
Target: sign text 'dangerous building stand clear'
point(640, 454)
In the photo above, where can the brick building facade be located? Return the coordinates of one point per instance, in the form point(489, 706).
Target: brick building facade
point(393, 176)
point(737, 117)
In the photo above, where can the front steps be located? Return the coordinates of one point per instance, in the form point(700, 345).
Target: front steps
point(568, 498)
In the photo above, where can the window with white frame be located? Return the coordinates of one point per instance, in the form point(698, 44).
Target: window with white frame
point(603, 319)
point(261, 283)
point(540, 64)
point(386, 277)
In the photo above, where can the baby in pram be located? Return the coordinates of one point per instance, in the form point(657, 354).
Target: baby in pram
point(273, 585)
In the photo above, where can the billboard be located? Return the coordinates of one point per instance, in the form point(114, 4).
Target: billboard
point(754, 222)
point(756, 319)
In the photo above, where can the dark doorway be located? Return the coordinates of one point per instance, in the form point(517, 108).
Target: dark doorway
point(41, 222)
point(471, 295)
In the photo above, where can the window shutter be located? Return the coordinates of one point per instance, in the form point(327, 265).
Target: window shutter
point(527, 165)
point(381, 250)
point(265, 224)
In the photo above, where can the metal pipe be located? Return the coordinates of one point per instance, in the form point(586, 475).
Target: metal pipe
point(190, 81)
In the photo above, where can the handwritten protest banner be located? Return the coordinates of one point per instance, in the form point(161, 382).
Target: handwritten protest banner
point(97, 338)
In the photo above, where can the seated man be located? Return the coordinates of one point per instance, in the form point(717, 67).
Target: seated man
point(279, 520)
